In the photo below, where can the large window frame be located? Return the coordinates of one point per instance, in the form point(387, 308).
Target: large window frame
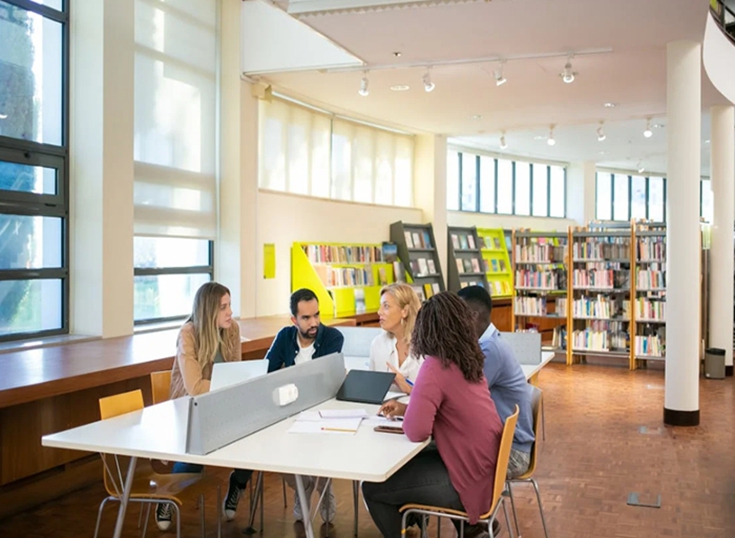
point(629, 178)
point(50, 156)
point(477, 208)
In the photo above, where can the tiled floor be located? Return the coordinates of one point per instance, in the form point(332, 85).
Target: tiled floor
point(593, 456)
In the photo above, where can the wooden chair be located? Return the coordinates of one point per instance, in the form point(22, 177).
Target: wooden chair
point(160, 386)
point(148, 486)
point(501, 469)
point(527, 477)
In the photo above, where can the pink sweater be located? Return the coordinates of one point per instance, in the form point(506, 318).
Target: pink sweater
point(466, 428)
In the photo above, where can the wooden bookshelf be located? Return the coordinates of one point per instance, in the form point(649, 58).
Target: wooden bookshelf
point(346, 278)
point(417, 251)
point(466, 263)
point(498, 269)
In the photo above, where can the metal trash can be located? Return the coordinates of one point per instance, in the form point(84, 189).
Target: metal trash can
point(714, 363)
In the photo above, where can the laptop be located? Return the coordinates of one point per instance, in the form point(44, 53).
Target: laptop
point(225, 374)
point(365, 386)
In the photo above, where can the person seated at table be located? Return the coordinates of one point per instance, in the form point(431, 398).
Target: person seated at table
point(390, 351)
point(450, 402)
point(505, 378)
point(303, 341)
point(207, 337)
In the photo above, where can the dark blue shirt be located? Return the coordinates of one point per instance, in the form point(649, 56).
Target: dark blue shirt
point(285, 347)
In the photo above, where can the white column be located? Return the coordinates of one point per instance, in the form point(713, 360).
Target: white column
point(581, 191)
point(430, 188)
point(101, 166)
point(236, 254)
point(722, 171)
point(683, 109)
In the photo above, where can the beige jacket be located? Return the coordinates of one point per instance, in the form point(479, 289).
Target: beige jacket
point(187, 377)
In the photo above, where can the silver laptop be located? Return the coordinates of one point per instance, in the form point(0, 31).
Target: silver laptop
point(225, 374)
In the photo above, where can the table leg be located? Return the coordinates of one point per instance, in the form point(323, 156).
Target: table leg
point(305, 508)
point(125, 498)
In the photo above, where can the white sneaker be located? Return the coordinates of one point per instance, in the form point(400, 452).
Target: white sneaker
point(297, 513)
point(328, 508)
point(163, 516)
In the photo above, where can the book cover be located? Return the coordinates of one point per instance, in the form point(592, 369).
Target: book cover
point(420, 292)
point(427, 240)
point(495, 265)
point(409, 239)
point(428, 290)
point(415, 267)
point(431, 266)
point(455, 241)
point(436, 288)
point(501, 264)
point(460, 267)
point(399, 272)
point(463, 284)
point(463, 241)
point(475, 265)
point(485, 265)
point(417, 240)
point(467, 265)
point(382, 277)
point(423, 268)
point(471, 241)
point(390, 252)
point(488, 242)
point(496, 242)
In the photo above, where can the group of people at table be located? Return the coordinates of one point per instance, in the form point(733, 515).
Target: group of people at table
point(462, 377)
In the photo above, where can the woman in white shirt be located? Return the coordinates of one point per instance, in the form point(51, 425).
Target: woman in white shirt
point(390, 351)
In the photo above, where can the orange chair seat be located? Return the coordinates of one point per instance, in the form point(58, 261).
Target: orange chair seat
point(442, 510)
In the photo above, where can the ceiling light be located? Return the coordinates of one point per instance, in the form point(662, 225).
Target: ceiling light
point(550, 140)
point(641, 168)
point(498, 73)
point(400, 87)
point(609, 105)
point(503, 143)
point(648, 133)
point(428, 85)
point(364, 85)
point(658, 126)
point(397, 54)
point(476, 117)
point(3, 116)
point(568, 75)
point(600, 133)
point(706, 141)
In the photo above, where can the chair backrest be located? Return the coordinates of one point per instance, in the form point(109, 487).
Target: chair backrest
point(501, 467)
point(161, 386)
point(536, 399)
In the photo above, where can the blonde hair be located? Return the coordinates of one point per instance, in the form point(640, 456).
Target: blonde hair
point(406, 298)
point(208, 336)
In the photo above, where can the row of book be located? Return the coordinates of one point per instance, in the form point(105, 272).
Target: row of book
point(536, 306)
point(418, 239)
point(494, 266)
point(594, 340)
point(333, 277)
point(594, 249)
point(650, 310)
point(463, 241)
point(423, 267)
point(343, 254)
point(600, 307)
point(601, 278)
point(650, 279)
point(652, 248)
point(650, 346)
point(464, 284)
point(491, 243)
point(469, 265)
point(545, 280)
point(499, 288)
point(426, 291)
point(540, 253)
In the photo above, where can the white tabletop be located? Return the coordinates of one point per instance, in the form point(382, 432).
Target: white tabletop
point(531, 370)
point(159, 432)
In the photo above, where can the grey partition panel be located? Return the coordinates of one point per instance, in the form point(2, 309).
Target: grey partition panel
point(223, 416)
point(525, 346)
point(358, 340)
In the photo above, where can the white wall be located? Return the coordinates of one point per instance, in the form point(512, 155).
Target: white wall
point(483, 220)
point(286, 218)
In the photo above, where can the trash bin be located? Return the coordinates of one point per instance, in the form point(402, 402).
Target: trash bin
point(714, 363)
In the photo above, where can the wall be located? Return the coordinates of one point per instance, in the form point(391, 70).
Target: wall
point(286, 218)
point(482, 220)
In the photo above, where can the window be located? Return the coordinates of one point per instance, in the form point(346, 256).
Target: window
point(603, 202)
point(503, 186)
point(638, 197)
point(34, 134)
point(622, 197)
point(305, 151)
point(707, 210)
point(175, 182)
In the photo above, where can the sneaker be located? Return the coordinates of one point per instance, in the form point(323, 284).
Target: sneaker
point(297, 513)
point(234, 492)
point(163, 516)
point(328, 508)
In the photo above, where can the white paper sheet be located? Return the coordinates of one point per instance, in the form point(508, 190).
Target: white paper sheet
point(327, 426)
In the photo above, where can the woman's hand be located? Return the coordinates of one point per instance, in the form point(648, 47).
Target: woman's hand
point(400, 379)
point(392, 408)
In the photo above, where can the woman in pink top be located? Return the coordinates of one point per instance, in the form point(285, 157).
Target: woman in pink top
point(450, 401)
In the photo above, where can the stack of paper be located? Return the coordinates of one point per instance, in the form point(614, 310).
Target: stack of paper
point(334, 421)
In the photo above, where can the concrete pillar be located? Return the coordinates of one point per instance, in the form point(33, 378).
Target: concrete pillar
point(722, 171)
point(581, 186)
point(684, 116)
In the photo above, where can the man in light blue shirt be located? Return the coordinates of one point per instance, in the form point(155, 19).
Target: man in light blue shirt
point(505, 378)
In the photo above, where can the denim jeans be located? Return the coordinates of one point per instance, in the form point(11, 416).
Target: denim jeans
point(423, 480)
point(241, 476)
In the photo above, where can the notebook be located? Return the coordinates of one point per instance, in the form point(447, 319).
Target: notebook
point(365, 386)
point(225, 374)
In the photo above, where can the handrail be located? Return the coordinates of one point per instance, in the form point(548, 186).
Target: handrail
point(724, 16)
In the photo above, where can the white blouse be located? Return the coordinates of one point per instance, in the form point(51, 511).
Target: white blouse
point(383, 349)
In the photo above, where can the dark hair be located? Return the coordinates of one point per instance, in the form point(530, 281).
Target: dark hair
point(304, 294)
point(477, 295)
point(442, 330)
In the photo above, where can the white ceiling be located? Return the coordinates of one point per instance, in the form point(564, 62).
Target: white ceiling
point(632, 75)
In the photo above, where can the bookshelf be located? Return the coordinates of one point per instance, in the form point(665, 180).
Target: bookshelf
point(495, 255)
point(346, 278)
point(466, 263)
point(417, 251)
point(649, 299)
point(602, 292)
point(540, 266)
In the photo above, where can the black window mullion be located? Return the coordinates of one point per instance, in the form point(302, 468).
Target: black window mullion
point(45, 11)
point(530, 188)
point(630, 198)
point(648, 197)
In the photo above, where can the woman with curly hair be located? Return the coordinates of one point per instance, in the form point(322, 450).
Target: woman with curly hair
point(450, 401)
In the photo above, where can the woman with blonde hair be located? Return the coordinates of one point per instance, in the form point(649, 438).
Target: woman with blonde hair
point(207, 337)
point(390, 351)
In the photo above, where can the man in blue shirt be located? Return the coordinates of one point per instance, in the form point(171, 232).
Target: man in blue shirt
point(505, 378)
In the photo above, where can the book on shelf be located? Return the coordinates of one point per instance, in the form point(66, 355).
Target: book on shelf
point(419, 291)
point(423, 267)
point(648, 279)
point(652, 248)
point(426, 240)
point(540, 251)
point(602, 248)
point(471, 241)
point(646, 309)
point(460, 266)
point(359, 300)
point(501, 266)
point(409, 239)
point(548, 280)
point(463, 242)
point(342, 254)
point(455, 241)
point(495, 265)
point(475, 265)
point(417, 240)
point(428, 290)
point(436, 288)
point(467, 265)
point(651, 345)
point(601, 278)
point(382, 277)
point(399, 271)
point(335, 277)
point(390, 252)
point(431, 267)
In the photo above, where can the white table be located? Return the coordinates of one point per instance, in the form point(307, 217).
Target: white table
point(159, 432)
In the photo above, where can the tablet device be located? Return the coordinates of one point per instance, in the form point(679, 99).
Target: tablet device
point(225, 374)
point(365, 386)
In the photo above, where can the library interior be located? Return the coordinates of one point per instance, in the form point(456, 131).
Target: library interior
point(242, 242)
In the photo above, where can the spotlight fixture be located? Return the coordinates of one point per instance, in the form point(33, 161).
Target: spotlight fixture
point(609, 105)
point(400, 87)
point(428, 85)
point(641, 168)
point(3, 116)
point(397, 54)
point(550, 140)
point(648, 133)
point(568, 75)
point(364, 85)
point(498, 73)
point(503, 143)
point(600, 133)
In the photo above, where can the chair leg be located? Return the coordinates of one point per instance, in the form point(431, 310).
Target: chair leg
point(178, 518)
point(262, 504)
point(438, 527)
point(543, 420)
point(540, 506)
point(461, 528)
point(203, 518)
point(355, 500)
point(255, 494)
point(285, 499)
point(513, 506)
point(507, 519)
point(217, 511)
point(147, 517)
point(99, 515)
